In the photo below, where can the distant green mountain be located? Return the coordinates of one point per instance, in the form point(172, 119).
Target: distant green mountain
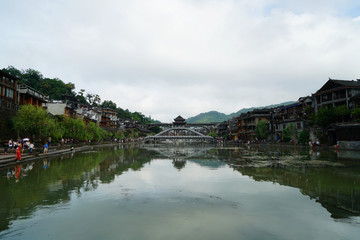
point(214, 116)
point(208, 117)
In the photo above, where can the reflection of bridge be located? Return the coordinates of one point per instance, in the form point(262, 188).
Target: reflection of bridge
point(182, 152)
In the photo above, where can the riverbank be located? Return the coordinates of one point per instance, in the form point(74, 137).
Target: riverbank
point(8, 159)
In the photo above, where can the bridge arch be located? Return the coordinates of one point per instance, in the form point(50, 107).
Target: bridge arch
point(177, 133)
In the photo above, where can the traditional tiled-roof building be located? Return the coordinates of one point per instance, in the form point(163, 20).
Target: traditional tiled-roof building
point(109, 118)
point(294, 113)
point(28, 95)
point(88, 113)
point(61, 107)
point(248, 121)
point(8, 103)
point(179, 121)
point(336, 93)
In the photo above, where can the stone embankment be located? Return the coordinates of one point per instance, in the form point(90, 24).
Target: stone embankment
point(8, 159)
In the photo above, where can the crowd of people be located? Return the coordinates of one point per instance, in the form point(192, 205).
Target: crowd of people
point(20, 145)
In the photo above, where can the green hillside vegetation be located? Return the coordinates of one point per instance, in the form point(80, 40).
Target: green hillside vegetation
point(214, 116)
point(208, 117)
point(56, 89)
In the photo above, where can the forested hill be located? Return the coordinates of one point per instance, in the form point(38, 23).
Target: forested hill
point(56, 89)
point(214, 116)
point(208, 117)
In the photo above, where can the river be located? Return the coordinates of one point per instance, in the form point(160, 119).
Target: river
point(183, 192)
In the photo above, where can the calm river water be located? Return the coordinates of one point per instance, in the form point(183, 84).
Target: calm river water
point(183, 192)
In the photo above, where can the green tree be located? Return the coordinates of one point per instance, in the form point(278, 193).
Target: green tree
point(262, 130)
point(56, 89)
point(289, 133)
point(52, 87)
point(94, 132)
point(213, 134)
point(34, 121)
point(304, 137)
point(355, 114)
point(108, 104)
point(74, 128)
point(123, 114)
point(13, 71)
point(342, 113)
point(93, 99)
point(80, 97)
point(32, 78)
point(324, 117)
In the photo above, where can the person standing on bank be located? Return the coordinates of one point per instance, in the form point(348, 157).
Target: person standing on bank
point(31, 146)
point(10, 144)
point(46, 146)
point(18, 153)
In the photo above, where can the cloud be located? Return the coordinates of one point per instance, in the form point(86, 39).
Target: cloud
point(166, 58)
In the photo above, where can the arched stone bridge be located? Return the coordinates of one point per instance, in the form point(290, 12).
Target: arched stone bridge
point(176, 133)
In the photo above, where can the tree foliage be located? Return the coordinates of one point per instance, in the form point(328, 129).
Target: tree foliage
point(213, 134)
point(326, 116)
point(289, 133)
point(304, 137)
point(34, 121)
point(108, 104)
point(56, 89)
point(93, 99)
point(355, 114)
point(262, 130)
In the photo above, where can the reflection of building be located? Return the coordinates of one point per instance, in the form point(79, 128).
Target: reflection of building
point(179, 163)
point(336, 93)
point(327, 187)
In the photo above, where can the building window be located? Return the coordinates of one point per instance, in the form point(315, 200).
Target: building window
point(298, 125)
point(9, 93)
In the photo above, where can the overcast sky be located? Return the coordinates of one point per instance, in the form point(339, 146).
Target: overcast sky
point(166, 58)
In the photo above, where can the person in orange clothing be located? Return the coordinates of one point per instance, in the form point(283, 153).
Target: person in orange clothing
point(18, 153)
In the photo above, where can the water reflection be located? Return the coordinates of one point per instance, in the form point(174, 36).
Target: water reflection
point(25, 187)
point(179, 163)
point(329, 177)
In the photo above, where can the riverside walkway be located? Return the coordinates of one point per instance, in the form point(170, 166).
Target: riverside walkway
point(8, 159)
